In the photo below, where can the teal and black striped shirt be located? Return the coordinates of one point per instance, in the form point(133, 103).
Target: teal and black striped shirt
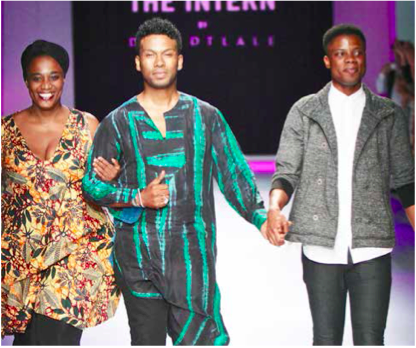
point(170, 253)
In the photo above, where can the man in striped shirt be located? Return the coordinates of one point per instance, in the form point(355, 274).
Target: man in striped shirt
point(170, 146)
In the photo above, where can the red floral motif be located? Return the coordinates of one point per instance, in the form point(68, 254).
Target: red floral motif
point(53, 261)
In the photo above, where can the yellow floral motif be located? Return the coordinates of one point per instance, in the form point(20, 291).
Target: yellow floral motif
point(55, 246)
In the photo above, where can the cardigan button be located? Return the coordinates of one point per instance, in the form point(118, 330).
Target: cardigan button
point(315, 218)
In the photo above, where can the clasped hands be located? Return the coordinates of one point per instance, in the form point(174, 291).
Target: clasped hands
point(276, 227)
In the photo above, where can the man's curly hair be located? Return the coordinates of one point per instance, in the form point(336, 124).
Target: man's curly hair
point(159, 26)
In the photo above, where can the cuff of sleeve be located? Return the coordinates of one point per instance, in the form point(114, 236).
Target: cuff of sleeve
point(406, 194)
point(127, 215)
point(126, 195)
point(284, 185)
point(259, 217)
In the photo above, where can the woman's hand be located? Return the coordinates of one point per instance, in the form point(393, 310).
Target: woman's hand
point(105, 170)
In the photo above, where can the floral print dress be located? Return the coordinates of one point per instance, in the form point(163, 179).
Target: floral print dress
point(55, 246)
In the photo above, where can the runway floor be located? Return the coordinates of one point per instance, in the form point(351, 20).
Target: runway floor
point(264, 300)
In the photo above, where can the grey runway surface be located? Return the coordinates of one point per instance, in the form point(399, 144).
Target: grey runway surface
point(264, 300)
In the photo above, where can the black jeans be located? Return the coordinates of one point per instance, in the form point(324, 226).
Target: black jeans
point(368, 284)
point(148, 318)
point(44, 331)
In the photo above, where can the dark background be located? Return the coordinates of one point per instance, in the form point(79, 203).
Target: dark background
point(254, 87)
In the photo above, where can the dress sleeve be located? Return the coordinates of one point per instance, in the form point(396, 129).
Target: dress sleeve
point(235, 179)
point(107, 144)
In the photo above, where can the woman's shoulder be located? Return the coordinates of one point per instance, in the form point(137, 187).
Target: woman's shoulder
point(81, 117)
point(8, 121)
point(86, 119)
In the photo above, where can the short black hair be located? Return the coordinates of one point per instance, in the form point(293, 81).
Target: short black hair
point(159, 26)
point(341, 29)
point(44, 48)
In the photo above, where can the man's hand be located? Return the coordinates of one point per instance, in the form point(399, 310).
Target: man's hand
point(263, 230)
point(277, 227)
point(105, 170)
point(155, 195)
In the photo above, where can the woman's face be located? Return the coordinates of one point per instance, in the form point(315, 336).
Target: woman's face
point(45, 82)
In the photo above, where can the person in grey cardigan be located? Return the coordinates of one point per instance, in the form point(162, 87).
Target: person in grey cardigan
point(342, 150)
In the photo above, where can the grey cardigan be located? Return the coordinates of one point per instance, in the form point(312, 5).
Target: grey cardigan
point(307, 161)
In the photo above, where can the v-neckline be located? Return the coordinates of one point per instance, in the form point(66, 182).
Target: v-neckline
point(26, 145)
point(168, 111)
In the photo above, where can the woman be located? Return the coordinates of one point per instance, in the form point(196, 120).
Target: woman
point(56, 277)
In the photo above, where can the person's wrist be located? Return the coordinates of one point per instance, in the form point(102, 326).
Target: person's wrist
point(138, 200)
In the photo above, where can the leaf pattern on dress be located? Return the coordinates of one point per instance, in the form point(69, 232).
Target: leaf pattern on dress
point(57, 175)
point(16, 177)
point(52, 260)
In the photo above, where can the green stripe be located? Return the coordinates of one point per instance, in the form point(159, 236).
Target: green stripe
point(156, 135)
point(145, 119)
point(126, 196)
point(172, 199)
point(136, 239)
point(201, 328)
point(118, 151)
point(161, 223)
point(199, 145)
point(188, 267)
point(213, 239)
point(144, 233)
point(210, 178)
point(141, 176)
point(232, 166)
point(167, 160)
point(116, 261)
point(135, 293)
point(94, 187)
point(258, 218)
point(185, 97)
point(223, 337)
point(145, 294)
point(185, 328)
point(220, 180)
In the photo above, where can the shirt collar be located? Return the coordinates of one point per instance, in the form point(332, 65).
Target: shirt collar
point(336, 95)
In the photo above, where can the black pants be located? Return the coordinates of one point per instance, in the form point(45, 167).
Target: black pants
point(44, 331)
point(148, 318)
point(151, 320)
point(368, 284)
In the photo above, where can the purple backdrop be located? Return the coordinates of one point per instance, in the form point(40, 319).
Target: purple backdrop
point(378, 22)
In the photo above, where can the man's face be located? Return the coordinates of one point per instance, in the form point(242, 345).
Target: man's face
point(159, 61)
point(347, 62)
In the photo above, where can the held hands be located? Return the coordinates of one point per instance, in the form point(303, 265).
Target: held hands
point(155, 195)
point(105, 170)
point(276, 227)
